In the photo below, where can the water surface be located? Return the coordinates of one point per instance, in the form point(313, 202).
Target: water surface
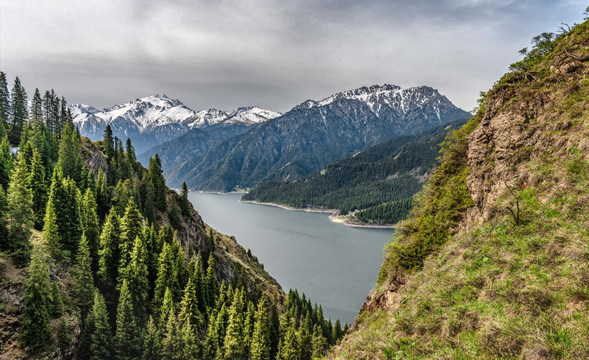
point(333, 264)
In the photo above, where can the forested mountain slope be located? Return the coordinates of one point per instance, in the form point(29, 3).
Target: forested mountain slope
point(376, 184)
point(493, 261)
point(314, 134)
point(100, 260)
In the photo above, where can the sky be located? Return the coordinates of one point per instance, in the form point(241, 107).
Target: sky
point(274, 54)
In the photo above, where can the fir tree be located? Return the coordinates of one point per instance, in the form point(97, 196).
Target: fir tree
point(35, 330)
point(150, 239)
point(51, 230)
point(3, 231)
point(337, 331)
point(6, 161)
point(189, 345)
point(37, 108)
point(166, 278)
point(56, 308)
point(158, 182)
point(127, 336)
point(304, 341)
point(101, 342)
point(199, 284)
point(70, 159)
point(19, 212)
point(211, 281)
point(84, 282)
point(90, 226)
point(189, 307)
point(131, 227)
point(234, 346)
point(167, 309)
point(108, 253)
point(318, 342)
point(102, 198)
point(19, 113)
point(38, 187)
point(151, 342)
point(185, 203)
point(63, 336)
point(4, 99)
point(137, 278)
point(147, 197)
point(172, 340)
point(289, 346)
point(260, 344)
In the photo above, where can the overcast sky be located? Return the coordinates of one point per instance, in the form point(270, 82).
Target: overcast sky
point(275, 54)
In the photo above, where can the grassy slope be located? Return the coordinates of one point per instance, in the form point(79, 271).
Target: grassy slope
point(467, 281)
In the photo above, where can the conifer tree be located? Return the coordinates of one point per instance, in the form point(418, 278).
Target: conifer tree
point(158, 182)
point(289, 345)
point(337, 331)
point(171, 340)
point(6, 161)
point(211, 281)
point(260, 344)
point(127, 336)
point(38, 187)
point(234, 346)
point(51, 230)
point(199, 284)
point(48, 111)
point(153, 251)
point(56, 308)
point(211, 342)
point(19, 212)
point(37, 108)
point(4, 99)
point(19, 113)
point(147, 197)
point(166, 278)
point(131, 227)
point(3, 132)
point(3, 231)
point(189, 346)
point(167, 309)
point(84, 284)
point(304, 341)
point(137, 279)
point(101, 341)
point(180, 259)
point(189, 307)
point(248, 325)
point(318, 342)
point(90, 226)
point(151, 342)
point(102, 198)
point(70, 159)
point(108, 252)
point(185, 203)
point(35, 330)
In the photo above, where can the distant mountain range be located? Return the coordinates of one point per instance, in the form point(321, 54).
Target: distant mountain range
point(152, 120)
point(312, 135)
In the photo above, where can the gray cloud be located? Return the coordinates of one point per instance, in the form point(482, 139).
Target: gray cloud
point(275, 54)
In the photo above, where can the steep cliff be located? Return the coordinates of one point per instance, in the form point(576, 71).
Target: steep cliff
point(493, 262)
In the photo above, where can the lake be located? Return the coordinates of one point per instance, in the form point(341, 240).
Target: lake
point(333, 264)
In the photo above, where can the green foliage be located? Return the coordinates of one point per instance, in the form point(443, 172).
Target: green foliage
point(380, 181)
point(84, 281)
point(108, 253)
point(35, 330)
point(18, 111)
point(6, 161)
point(98, 326)
point(127, 336)
point(260, 344)
point(131, 227)
point(38, 186)
point(90, 226)
point(156, 177)
point(137, 279)
point(70, 159)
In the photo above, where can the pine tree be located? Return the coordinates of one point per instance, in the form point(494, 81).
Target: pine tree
point(180, 259)
point(158, 182)
point(189, 307)
point(51, 230)
point(84, 282)
point(147, 197)
point(166, 278)
point(108, 144)
point(90, 226)
point(318, 342)
point(127, 336)
point(19, 113)
point(131, 227)
point(37, 108)
point(56, 308)
point(151, 342)
point(19, 212)
point(35, 330)
point(234, 346)
point(189, 346)
point(38, 187)
point(172, 340)
point(167, 309)
point(185, 203)
point(289, 346)
point(260, 344)
point(101, 342)
point(211, 282)
point(337, 331)
point(70, 159)
point(102, 198)
point(63, 336)
point(108, 253)
point(153, 251)
point(6, 161)
point(4, 99)
point(137, 279)
point(304, 341)
point(199, 284)
point(3, 231)
point(248, 325)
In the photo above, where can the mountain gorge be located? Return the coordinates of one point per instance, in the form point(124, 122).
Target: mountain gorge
point(152, 120)
point(314, 134)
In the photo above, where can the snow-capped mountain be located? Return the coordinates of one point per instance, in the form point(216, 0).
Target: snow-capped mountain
point(314, 134)
point(155, 119)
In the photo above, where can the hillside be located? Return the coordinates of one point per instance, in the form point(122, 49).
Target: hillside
point(99, 259)
point(492, 262)
point(314, 134)
point(376, 184)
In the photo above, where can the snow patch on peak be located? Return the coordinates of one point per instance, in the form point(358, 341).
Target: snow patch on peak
point(250, 115)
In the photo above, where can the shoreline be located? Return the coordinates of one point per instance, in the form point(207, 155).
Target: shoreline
point(333, 217)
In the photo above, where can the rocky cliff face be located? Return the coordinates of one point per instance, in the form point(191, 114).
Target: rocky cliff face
point(493, 261)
